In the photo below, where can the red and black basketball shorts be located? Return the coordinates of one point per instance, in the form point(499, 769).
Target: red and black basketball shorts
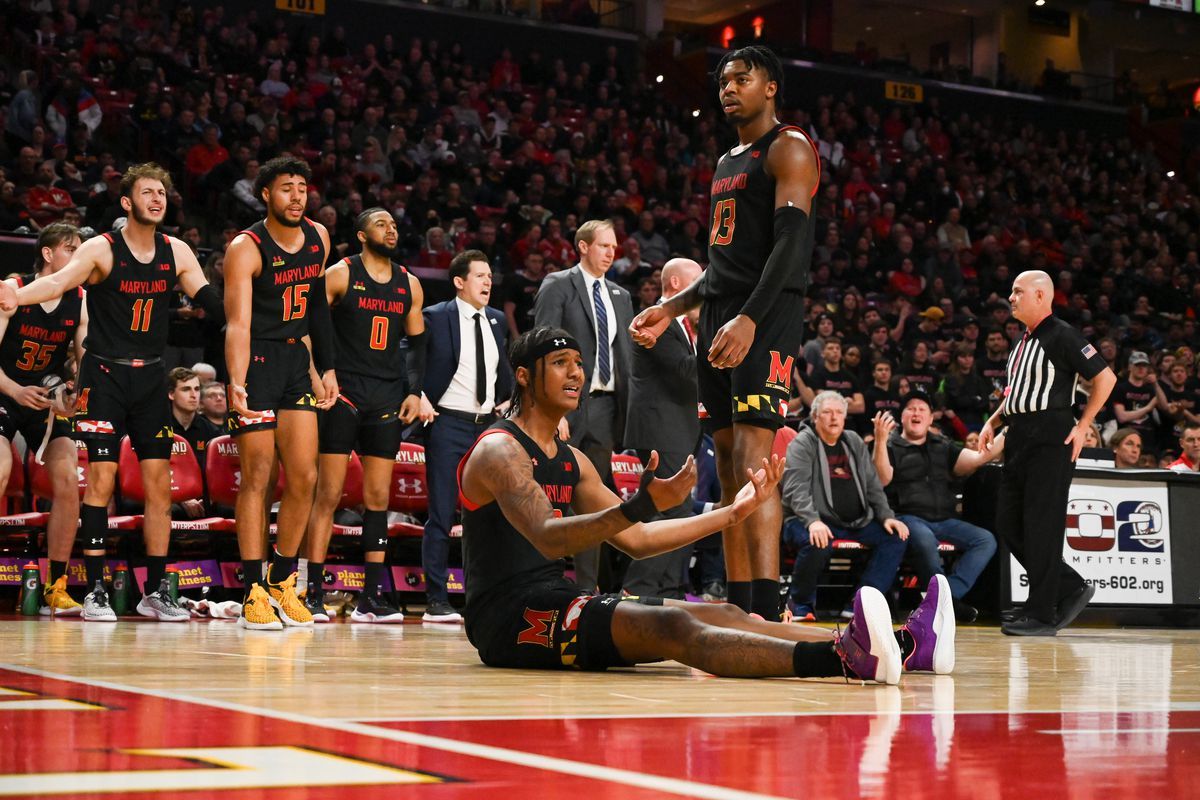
point(365, 419)
point(550, 627)
point(116, 398)
point(278, 379)
point(756, 391)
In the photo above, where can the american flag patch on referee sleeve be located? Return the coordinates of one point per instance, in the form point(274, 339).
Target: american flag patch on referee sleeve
point(1089, 351)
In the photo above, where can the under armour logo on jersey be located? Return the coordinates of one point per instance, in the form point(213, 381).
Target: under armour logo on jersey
point(316, 248)
point(260, 359)
point(277, 261)
point(560, 342)
point(101, 451)
point(164, 266)
point(754, 154)
point(401, 290)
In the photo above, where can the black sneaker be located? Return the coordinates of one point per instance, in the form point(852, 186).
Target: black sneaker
point(375, 609)
point(1027, 626)
point(714, 592)
point(1069, 608)
point(441, 611)
point(1012, 614)
point(315, 603)
point(964, 612)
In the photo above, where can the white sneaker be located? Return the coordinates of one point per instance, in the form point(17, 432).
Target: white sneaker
point(159, 605)
point(96, 607)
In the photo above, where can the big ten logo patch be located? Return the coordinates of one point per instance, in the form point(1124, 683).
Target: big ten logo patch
point(1091, 525)
point(1139, 527)
point(780, 376)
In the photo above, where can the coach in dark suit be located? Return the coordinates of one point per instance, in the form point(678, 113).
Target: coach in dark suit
point(466, 376)
point(664, 395)
point(598, 314)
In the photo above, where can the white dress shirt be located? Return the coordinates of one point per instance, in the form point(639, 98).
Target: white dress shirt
point(606, 293)
point(460, 394)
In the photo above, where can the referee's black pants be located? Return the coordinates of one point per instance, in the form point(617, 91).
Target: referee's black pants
point(1031, 518)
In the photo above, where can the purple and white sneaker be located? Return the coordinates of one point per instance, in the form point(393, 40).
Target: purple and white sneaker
point(931, 627)
point(868, 648)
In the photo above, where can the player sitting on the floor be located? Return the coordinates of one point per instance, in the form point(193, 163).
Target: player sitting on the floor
point(518, 484)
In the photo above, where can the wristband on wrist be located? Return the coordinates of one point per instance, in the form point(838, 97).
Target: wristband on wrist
point(640, 507)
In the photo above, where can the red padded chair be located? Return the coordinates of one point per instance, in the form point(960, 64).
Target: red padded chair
point(223, 467)
point(409, 491)
point(186, 484)
point(352, 495)
point(41, 487)
point(626, 474)
point(783, 437)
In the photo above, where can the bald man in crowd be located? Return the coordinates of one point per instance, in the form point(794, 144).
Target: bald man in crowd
point(663, 406)
point(1041, 446)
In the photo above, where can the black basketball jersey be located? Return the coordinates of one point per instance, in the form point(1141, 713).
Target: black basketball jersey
point(742, 232)
point(368, 322)
point(496, 557)
point(128, 311)
point(36, 341)
point(279, 305)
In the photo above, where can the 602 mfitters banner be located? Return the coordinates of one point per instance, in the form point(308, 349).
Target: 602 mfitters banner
point(1118, 539)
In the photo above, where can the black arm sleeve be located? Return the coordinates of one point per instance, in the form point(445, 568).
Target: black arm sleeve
point(320, 328)
point(416, 363)
point(791, 254)
point(208, 299)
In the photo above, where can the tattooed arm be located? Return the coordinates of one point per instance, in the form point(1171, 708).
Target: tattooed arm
point(499, 470)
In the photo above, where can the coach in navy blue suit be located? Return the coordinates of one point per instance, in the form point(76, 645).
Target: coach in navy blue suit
point(466, 376)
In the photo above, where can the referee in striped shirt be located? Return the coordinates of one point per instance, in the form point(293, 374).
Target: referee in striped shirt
point(1040, 449)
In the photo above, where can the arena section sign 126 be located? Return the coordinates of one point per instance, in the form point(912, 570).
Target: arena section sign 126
point(1118, 539)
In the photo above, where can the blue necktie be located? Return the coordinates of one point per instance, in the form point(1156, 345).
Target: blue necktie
point(603, 356)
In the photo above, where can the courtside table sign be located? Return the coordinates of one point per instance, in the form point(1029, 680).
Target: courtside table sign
point(1118, 539)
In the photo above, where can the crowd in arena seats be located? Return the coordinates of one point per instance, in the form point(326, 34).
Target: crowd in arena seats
point(924, 217)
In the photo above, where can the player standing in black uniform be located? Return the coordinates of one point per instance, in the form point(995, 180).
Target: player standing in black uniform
point(34, 345)
point(277, 308)
point(529, 499)
point(374, 303)
point(130, 275)
point(752, 303)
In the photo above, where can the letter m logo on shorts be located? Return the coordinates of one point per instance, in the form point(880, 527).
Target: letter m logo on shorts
point(781, 370)
point(538, 632)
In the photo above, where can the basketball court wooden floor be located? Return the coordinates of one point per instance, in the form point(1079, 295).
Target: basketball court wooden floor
point(207, 710)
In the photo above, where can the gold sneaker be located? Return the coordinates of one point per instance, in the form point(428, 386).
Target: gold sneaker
point(290, 607)
point(56, 602)
point(257, 613)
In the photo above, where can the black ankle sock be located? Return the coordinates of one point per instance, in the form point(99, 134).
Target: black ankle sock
point(373, 583)
point(764, 598)
point(907, 643)
point(94, 567)
point(156, 570)
point(57, 570)
point(251, 573)
point(281, 567)
point(316, 579)
point(815, 660)
point(740, 594)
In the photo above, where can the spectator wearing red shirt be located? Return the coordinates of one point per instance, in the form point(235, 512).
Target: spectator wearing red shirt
point(206, 153)
point(936, 138)
point(506, 73)
point(554, 248)
point(526, 244)
point(435, 254)
point(47, 202)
